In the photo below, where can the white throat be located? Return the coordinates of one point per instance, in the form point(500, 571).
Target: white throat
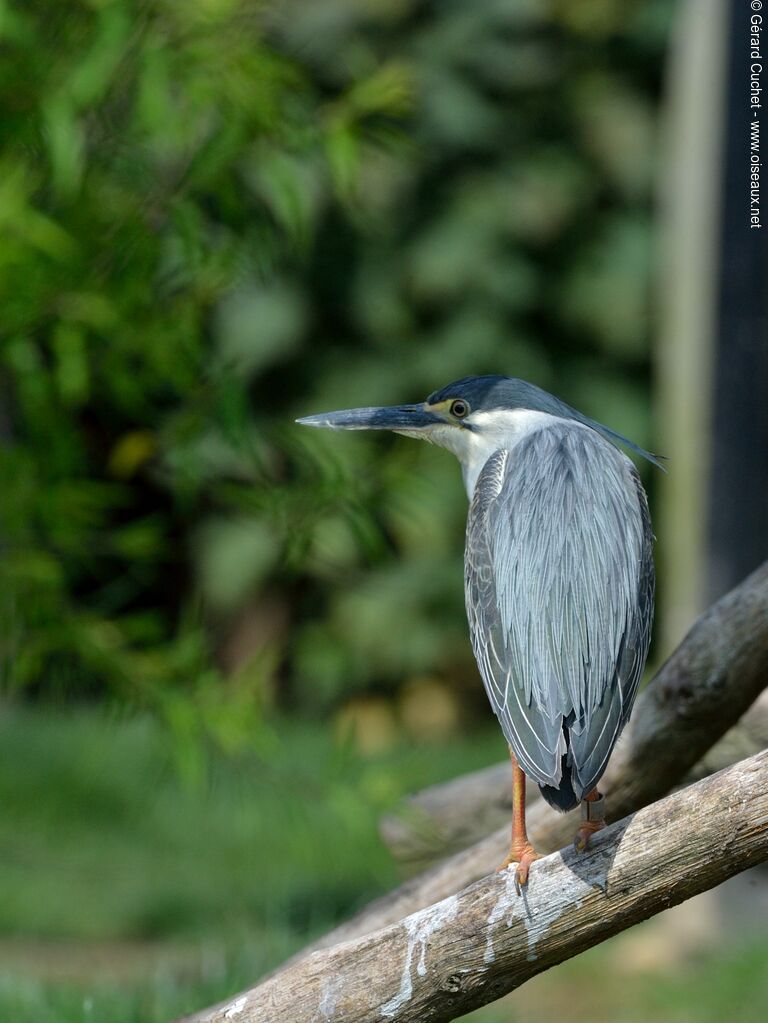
point(501, 428)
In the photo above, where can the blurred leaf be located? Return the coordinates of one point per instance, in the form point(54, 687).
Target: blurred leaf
point(259, 325)
point(232, 556)
point(131, 452)
point(608, 292)
point(343, 149)
point(72, 364)
point(65, 142)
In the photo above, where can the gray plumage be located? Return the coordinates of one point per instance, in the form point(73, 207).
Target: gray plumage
point(559, 587)
point(559, 573)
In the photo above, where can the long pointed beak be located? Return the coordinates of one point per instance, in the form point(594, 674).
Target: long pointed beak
point(396, 417)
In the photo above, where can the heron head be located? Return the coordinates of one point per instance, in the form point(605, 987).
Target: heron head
point(472, 417)
point(455, 417)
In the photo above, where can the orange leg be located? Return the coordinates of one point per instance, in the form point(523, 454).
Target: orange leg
point(592, 818)
point(521, 851)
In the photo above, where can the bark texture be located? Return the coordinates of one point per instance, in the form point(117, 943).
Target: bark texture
point(475, 946)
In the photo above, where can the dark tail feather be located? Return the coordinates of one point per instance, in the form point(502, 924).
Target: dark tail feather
point(563, 797)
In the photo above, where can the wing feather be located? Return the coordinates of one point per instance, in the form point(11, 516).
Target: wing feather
point(559, 590)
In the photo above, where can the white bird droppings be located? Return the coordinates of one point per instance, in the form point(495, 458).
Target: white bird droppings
point(539, 917)
point(235, 1008)
point(329, 1000)
point(419, 928)
point(504, 907)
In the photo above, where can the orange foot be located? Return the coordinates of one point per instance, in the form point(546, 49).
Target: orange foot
point(585, 832)
point(523, 855)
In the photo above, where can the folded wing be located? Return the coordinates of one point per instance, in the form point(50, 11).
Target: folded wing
point(559, 589)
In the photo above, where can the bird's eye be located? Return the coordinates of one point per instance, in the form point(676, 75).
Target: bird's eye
point(459, 408)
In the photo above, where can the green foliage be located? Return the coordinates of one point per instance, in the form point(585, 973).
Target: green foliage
point(217, 216)
point(162, 163)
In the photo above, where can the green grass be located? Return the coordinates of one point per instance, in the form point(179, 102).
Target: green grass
point(104, 847)
point(101, 840)
point(128, 896)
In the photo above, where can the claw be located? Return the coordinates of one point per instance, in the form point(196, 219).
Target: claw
point(523, 857)
point(585, 832)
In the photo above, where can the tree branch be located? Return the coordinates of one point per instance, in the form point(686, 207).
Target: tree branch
point(474, 947)
point(712, 678)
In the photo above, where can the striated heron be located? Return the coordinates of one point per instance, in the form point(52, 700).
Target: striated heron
point(559, 578)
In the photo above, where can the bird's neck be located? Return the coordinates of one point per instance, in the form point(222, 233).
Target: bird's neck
point(502, 429)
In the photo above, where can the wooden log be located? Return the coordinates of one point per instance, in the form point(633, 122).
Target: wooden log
point(475, 946)
point(712, 678)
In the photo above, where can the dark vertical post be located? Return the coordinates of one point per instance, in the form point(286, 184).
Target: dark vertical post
point(738, 487)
